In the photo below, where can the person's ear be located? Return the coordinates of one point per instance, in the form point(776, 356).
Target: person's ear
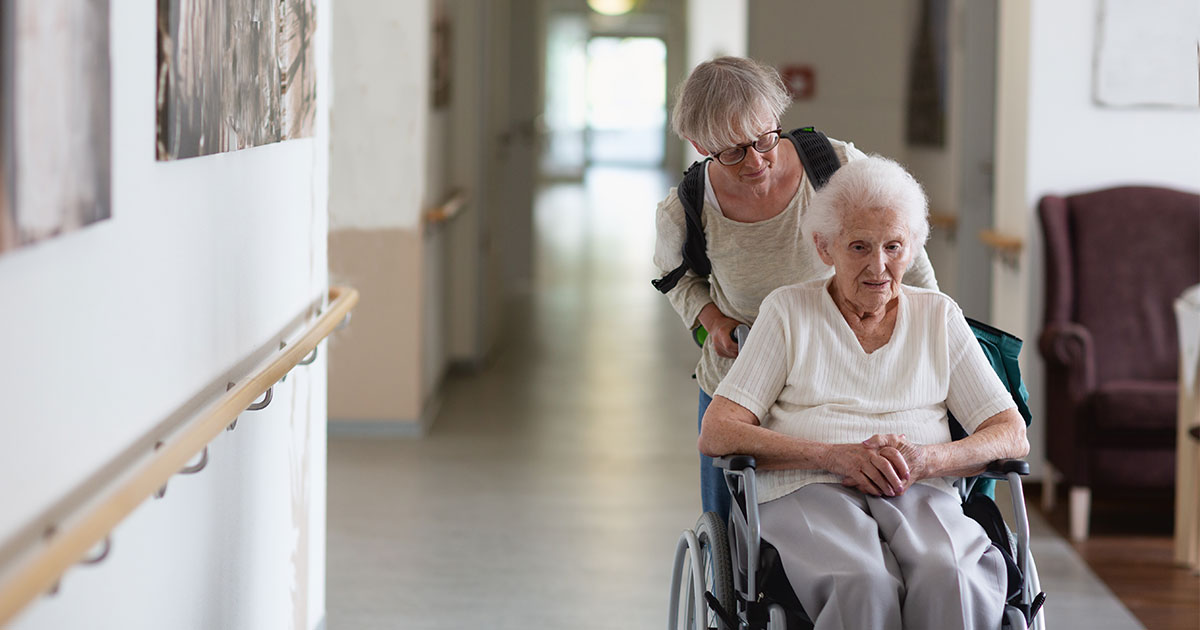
point(699, 150)
point(822, 246)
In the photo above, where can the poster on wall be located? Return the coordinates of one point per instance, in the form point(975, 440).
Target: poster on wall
point(1147, 54)
point(54, 118)
point(233, 74)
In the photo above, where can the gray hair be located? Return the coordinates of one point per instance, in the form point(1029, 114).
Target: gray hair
point(872, 183)
point(727, 101)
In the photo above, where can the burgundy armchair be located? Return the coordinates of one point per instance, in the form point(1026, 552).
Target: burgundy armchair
point(1116, 259)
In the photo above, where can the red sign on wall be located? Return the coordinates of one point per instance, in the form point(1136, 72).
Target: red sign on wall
point(801, 81)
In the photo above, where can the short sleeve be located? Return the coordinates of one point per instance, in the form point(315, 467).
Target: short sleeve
point(760, 371)
point(975, 392)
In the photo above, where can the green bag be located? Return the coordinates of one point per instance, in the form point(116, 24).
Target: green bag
point(1002, 351)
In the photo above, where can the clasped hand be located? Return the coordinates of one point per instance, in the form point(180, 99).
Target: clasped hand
point(883, 465)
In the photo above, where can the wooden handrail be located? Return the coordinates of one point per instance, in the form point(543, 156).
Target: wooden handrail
point(38, 568)
point(448, 208)
point(1001, 243)
point(1004, 246)
point(943, 221)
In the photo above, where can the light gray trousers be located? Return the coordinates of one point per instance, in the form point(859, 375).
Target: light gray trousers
point(861, 562)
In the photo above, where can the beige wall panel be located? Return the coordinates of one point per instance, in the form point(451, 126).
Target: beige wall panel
point(374, 364)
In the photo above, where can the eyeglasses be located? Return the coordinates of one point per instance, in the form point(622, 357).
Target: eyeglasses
point(762, 144)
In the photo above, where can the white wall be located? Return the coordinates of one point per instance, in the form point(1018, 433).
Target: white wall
point(382, 115)
point(1052, 139)
point(108, 330)
point(859, 49)
point(715, 28)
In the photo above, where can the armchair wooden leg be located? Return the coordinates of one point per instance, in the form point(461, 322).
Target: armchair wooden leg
point(1049, 488)
point(1080, 506)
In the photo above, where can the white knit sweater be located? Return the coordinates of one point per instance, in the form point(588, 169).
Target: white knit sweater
point(804, 373)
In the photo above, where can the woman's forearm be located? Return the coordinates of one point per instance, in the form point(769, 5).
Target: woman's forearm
point(730, 429)
point(1000, 437)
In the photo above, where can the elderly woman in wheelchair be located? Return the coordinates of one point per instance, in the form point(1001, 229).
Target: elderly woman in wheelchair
point(841, 396)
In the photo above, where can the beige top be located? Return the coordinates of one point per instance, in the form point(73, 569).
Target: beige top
point(806, 375)
point(749, 260)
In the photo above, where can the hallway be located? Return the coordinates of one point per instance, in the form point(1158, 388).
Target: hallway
point(546, 494)
point(554, 483)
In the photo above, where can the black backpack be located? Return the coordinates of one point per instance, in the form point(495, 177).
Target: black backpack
point(819, 161)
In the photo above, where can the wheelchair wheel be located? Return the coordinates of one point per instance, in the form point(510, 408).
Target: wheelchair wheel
point(715, 567)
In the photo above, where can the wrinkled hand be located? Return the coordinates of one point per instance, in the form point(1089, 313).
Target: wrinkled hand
point(915, 456)
point(878, 470)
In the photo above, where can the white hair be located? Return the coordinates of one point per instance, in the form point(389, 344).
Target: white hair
point(874, 183)
point(727, 101)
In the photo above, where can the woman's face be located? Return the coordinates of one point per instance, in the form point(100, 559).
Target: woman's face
point(756, 168)
point(869, 257)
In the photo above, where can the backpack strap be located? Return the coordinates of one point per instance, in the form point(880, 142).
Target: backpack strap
point(695, 246)
point(816, 154)
point(819, 161)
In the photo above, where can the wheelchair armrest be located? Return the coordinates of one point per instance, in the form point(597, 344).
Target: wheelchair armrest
point(735, 462)
point(1000, 468)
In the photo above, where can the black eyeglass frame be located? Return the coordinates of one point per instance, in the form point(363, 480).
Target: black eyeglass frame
point(754, 143)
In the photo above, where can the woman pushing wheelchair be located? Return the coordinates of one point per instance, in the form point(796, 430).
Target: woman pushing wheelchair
point(841, 394)
point(751, 195)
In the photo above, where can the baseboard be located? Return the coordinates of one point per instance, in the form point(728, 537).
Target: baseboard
point(376, 429)
point(396, 428)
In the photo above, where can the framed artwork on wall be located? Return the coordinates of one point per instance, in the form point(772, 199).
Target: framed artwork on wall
point(54, 118)
point(233, 74)
point(1147, 54)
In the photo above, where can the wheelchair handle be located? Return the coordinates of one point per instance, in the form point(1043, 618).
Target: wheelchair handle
point(739, 335)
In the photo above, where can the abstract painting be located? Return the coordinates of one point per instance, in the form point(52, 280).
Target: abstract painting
point(298, 73)
point(54, 118)
point(233, 74)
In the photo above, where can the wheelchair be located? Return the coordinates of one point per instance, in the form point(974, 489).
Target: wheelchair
point(725, 577)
